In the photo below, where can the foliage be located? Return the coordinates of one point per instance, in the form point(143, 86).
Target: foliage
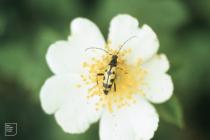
point(28, 27)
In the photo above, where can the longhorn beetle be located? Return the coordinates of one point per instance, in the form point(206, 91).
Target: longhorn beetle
point(109, 76)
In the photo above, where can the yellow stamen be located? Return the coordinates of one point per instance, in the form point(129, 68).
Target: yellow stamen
point(129, 80)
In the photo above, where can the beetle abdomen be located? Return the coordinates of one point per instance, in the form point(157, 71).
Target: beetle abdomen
point(109, 78)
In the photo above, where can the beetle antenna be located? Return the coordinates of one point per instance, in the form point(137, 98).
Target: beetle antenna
point(125, 43)
point(98, 49)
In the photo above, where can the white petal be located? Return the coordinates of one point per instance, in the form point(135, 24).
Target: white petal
point(144, 119)
point(60, 58)
point(121, 28)
point(54, 92)
point(158, 88)
point(137, 122)
point(77, 115)
point(143, 46)
point(158, 64)
point(73, 111)
point(88, 32)
point(116, 126)
point(68, 56)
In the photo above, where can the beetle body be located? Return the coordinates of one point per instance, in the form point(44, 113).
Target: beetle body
point(110, 75)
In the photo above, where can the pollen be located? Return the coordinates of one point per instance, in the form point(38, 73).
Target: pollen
point(129, 79)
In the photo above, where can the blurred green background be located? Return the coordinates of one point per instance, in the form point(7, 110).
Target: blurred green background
point(28, 27)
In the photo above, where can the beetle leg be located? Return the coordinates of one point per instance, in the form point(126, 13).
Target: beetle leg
point(99, 74)
point(115, 88)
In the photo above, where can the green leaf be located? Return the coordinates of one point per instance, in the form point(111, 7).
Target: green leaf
point(202, 9)
point(63, 9)
point(171, 112)
point(3, 23)
point(161, 15)
point(12, 58)
point(19, 64)
point(44, 38)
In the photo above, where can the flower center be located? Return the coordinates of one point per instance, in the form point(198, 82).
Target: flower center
point(128, 79)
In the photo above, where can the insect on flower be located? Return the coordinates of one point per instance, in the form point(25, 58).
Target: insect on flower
point(115, 88)
point(110, 74)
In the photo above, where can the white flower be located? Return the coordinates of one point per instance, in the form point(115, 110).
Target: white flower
point(77, 101)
